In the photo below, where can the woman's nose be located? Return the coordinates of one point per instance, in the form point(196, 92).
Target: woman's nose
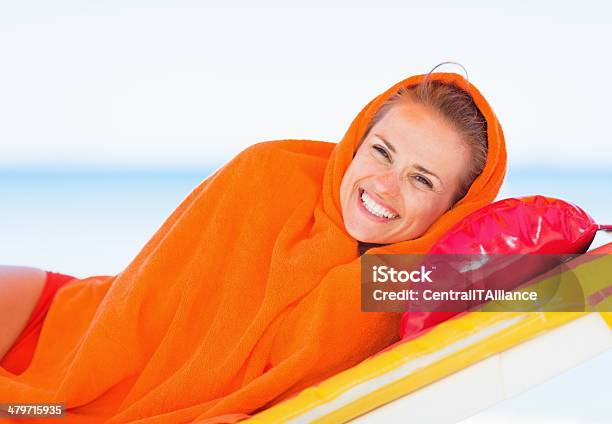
point(387, 183)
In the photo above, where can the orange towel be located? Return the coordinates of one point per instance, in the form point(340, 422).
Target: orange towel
point(247, 293)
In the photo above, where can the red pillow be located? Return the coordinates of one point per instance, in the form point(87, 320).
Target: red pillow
point(533, 224)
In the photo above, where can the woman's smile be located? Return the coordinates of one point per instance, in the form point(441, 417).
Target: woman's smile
point(374, 209)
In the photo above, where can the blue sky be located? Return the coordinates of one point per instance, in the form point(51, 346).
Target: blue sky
point(180, 84)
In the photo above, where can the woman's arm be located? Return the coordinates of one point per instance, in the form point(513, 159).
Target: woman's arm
point(20, 289)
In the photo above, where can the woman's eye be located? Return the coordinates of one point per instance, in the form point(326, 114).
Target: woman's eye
point(382, 151)
point(424, 180)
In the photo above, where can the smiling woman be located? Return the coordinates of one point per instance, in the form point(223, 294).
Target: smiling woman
point(263, 299)
point(419, 156)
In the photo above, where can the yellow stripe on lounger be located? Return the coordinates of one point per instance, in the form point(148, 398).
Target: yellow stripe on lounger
point(504, 338)
point(396, 374)
point(450, 346)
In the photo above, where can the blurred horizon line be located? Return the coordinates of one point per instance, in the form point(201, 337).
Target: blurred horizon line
point(191, 169)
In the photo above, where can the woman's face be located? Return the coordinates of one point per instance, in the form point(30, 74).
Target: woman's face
point(403, 176)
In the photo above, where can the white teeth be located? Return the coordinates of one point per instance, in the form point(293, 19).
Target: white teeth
point(375, 208)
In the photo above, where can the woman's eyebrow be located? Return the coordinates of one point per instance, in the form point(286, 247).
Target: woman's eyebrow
point(389, 145)
point(427, 171)
point(418, 167)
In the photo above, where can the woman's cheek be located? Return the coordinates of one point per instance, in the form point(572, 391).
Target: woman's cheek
point(419, 208)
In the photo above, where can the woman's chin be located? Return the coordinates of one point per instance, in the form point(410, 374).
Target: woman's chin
point(365, 235)
point(368, 234)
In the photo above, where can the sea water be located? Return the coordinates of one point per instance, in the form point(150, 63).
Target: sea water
point(93, 223)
